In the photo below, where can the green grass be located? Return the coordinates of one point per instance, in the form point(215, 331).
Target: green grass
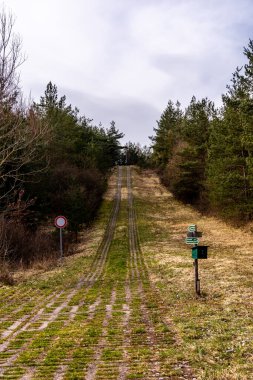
point(158, 313)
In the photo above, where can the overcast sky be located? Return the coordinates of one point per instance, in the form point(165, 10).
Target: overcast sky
point(123, 60)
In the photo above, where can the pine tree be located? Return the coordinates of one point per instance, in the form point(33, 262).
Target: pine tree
point(186, 170)
point(167, 131)
point(230, 163)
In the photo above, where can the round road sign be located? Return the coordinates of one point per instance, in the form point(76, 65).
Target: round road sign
point(60, 221)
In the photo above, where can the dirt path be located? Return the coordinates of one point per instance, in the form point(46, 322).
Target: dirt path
point(106, 324)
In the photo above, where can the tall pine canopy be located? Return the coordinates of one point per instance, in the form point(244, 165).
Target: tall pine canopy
point(205, 155)
point(166, 134)
point(230, 163)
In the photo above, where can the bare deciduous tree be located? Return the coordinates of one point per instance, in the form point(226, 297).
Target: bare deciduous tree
point(21, 130)
point(11, 58)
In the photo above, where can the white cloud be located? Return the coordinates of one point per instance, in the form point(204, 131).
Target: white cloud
point(132, 52)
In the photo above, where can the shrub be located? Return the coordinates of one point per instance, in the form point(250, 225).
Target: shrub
point(70, 191)
point(20, 246)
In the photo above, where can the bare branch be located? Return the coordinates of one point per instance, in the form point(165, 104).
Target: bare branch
point(22, 133)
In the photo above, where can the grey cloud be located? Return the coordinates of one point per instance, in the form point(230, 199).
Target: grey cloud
point(147, 51)
point(133, 117)
point(136, 119)
point(170, 62)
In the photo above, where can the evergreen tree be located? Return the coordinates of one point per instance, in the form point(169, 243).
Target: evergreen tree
point(190, 167)
point(230, 164)
point(79, 155)
point(134, 154)
point(166, 134)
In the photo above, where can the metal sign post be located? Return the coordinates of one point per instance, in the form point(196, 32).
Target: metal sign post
point(198, 252)
point(197, 280)
point(61, 222)
point(61, 245)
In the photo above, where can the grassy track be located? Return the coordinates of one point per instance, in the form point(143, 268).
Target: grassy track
point(96, 318)
point(125, 308)
point(42, 321)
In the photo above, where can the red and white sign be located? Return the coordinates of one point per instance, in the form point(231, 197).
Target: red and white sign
point(60, 221)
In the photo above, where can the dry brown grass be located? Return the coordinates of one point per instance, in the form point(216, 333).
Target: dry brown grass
point(111, 186)
point(6, 276)
point(220, 322)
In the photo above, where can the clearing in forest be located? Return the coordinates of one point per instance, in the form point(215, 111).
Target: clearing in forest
point(125, 308)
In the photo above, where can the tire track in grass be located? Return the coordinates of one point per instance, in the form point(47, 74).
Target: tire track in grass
point(183, 367)
point(109, 325)
point(44, 339)
point(157, 340)
point(20, 313)
point(123, 368)
point(149, 367)
point(54, 362)
point(87, 332)
point(91, 278)
point(96, 366)
point(96, 270)
point(93, 367)
point(17, 300)
point(57, 371)
point(11, 355)
point(94, 275)
point(101, 358)
point(10, 333)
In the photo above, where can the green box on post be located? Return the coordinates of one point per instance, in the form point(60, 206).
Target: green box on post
point(199, 252)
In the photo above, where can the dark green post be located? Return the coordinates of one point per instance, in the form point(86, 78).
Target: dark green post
point(198, 252)
point(197, 280)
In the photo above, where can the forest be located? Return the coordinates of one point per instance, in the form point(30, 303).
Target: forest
point(204, 154)
point(54, 161)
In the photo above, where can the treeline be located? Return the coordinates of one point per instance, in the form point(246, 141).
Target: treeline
point(77, 157)
point(135, 154)
point(205, 154)
point(52, 161)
